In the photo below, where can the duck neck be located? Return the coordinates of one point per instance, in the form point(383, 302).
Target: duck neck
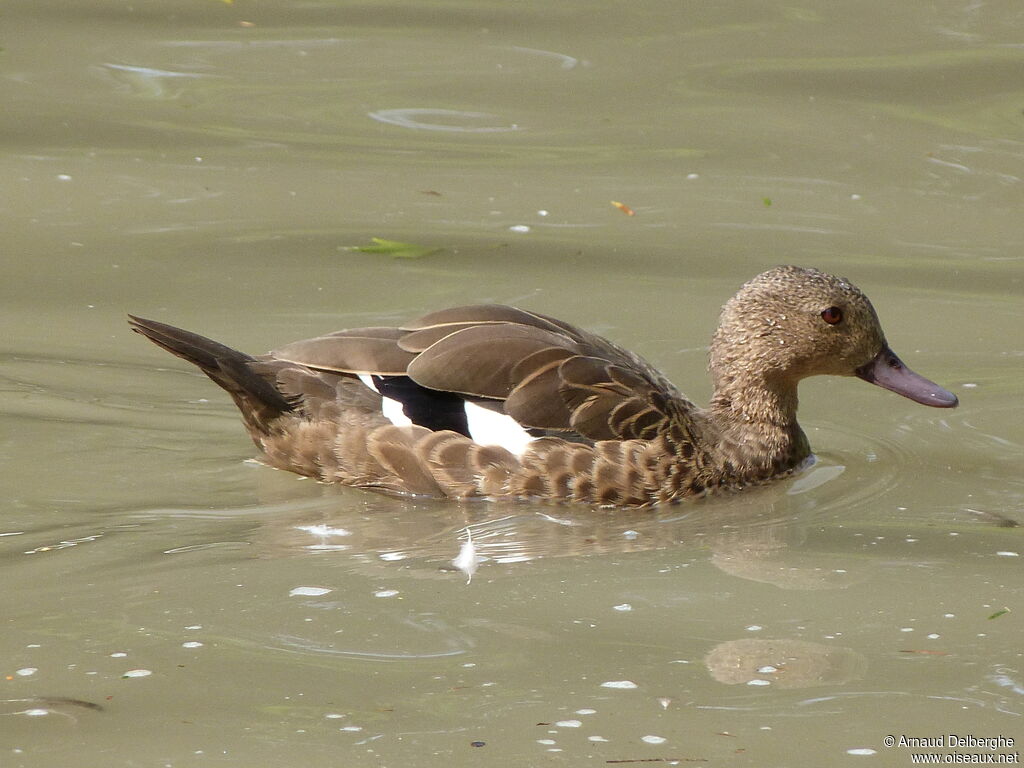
point(758, 426)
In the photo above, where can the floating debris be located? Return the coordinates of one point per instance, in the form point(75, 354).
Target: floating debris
point(467, 560)
point(397, 249)
point(309, 591)
point(621, 684)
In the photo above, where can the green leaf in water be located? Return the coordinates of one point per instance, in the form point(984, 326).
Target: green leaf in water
point(397, 249)
point(767, 202)
point(999, 613)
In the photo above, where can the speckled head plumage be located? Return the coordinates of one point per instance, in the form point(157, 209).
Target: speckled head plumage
point(794, 322)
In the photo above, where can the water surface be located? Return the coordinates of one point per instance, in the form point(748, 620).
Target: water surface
point(211, 164)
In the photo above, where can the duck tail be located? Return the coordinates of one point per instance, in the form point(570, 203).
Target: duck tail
point(250, 382)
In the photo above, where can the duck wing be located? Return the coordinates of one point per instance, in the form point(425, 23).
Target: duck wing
point(544, 373)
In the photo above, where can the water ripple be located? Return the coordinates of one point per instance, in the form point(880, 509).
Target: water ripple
point(409, 118)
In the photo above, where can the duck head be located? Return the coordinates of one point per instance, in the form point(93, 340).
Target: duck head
point(790, 323)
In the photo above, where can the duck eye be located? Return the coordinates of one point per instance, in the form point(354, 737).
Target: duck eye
point(832, 315)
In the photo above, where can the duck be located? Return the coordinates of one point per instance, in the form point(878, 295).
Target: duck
point(495, 402)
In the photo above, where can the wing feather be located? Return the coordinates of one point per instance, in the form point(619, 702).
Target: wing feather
point(362, 350)
point(477, 314)
point(537, 401)
point(479, 360)
point(543, 372)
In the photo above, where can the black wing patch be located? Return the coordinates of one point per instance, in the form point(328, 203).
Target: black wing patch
point(425, 407)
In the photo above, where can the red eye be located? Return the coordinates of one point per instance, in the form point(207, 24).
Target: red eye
point(832, 315)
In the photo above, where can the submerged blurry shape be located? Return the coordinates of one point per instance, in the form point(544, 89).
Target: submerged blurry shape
point(783, 663)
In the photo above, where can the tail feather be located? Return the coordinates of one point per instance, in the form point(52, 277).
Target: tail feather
point(253, 390)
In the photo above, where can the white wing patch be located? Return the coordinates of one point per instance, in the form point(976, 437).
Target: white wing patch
point(392, 409)
point(488, 427)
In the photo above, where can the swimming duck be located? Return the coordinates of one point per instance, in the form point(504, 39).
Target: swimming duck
point(494, 401)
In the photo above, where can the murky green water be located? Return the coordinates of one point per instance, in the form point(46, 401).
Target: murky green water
point(209, 164)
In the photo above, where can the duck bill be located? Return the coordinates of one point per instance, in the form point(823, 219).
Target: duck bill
point(888, 371)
